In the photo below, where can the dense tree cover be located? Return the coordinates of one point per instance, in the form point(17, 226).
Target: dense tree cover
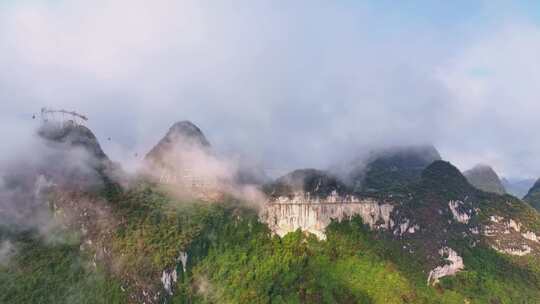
point(233, 258)
point(352, 266)
point(490, 277)
point(54, 271)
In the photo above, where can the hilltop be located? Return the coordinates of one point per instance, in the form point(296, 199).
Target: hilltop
point(483, 177)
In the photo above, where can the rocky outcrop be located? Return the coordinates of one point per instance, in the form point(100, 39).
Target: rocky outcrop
point(311, 199)
point(517, 251)
point(183, 258)
point(453, 264)
point(484, 178)
point(509, 236)
point(459, 212)
point(313, 214)
point(168, 279)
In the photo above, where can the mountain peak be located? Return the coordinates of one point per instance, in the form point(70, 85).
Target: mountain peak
point(393, 168)
point(187, 130)
point(414, 154)
point(484, 178)
point(73, 135)
point(182, 135)
point(442, 175)
point(317, 183)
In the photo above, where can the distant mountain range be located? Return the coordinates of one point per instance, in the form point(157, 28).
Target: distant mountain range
point(484, 178)
point(518, 187)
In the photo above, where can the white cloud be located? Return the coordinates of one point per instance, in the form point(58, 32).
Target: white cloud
point(293, 84)
point(492, 83)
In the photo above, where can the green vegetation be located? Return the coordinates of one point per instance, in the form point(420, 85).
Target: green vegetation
point(233, 258)
point(493, 278)
point(155, 228)
point(352, 266)
point(54, 272)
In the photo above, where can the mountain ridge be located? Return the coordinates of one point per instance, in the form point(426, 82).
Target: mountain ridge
point(483, 177)
point(434, 238)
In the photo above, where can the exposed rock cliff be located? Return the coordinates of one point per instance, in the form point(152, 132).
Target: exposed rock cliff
point(285, 214)
point(439, 208)
point(509, 236)
point(454, 264)
point(310, 199)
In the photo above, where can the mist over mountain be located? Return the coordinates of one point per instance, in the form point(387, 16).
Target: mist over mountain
point(219, 152)
point(161, 238)
point(315, 182)
point(264, 90)
point(483, 177)
point(182, 135)
point(391, 167)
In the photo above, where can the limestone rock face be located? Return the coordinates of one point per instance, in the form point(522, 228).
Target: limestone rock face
point(454, 264)
point(286, 214)
point(460, 215)
point(509, 236)
point(484, 178)
point(169, 279)
point(310, 199)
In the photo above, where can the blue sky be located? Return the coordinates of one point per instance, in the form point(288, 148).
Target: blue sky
point(288, 84)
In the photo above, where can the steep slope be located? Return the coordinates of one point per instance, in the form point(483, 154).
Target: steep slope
point(533, 196)
point(185, 157)
point(48, 263)
point(437, 240)
point(73, 135)
point(78, 147)
point(435, 217)
point(53, 270)
point(484, 178)
point(392, 168)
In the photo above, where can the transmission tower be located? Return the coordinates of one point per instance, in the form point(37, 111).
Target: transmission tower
point(62, 117)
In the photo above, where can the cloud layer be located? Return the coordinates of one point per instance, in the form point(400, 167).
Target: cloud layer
point(289, 84)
